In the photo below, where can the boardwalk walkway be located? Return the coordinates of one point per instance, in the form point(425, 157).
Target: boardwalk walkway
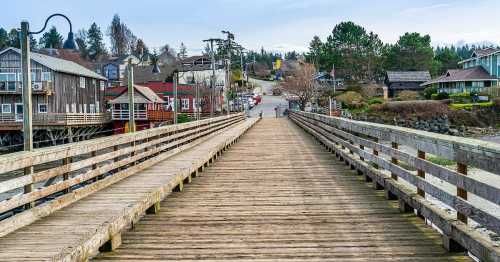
point(274, 196)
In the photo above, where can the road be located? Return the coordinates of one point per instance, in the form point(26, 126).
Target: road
point(269, 102)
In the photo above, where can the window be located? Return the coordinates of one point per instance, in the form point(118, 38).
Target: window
point(185, 104)
point(92, 108)
point(97, 106)
point(84, 108)
point(6, 109)
point(42, 108)
point(73, 108)
point(67, 108)
point(82, 82)
point(8, 81)
point(46, 76)
point(102, 84)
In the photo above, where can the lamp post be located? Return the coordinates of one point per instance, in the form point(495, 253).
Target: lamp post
point(27, 99)
point(26, 69)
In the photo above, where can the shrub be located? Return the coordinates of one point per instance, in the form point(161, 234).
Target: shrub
point(423, 108)
point(369, 91)
point(429, 91)
point(375, 101)
point(496, 102)
point(182, 118)
point(469, 106)
point(351, 99)
point(440, 96)
point(408, 95)
point(461, 97)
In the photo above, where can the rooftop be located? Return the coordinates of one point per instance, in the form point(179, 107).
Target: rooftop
point(408, 76)
point(477, 73)
point(59, 65)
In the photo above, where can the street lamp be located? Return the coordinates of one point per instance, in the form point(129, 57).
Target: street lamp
point(27, 99)
point(26, 69)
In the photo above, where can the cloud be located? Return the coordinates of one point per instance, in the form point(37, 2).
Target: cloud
point(416, 11)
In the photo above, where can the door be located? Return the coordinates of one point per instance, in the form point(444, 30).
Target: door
point(18, 111)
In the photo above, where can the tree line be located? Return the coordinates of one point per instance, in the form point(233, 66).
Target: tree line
point(90, 41)
point(360, 55)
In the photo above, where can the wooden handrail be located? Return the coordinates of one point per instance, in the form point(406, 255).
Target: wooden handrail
point(94, 158)
point(346, 136)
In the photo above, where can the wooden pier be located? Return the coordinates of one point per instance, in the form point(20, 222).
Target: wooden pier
point(307, 188)
point(277, 195)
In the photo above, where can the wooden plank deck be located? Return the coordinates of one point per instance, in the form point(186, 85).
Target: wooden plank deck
point(279, 196)
point(75, 232)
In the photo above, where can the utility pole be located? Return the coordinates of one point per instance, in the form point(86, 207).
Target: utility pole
point(212, 79)
point(176, 80)
point(27, 99)
point(228, 47)
point(130, 93)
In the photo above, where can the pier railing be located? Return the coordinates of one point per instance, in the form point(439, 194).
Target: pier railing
point(49, 179)
point(395, 159)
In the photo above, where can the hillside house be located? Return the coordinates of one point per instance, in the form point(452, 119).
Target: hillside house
point(398, 81)
point(480, 71)
point(68, 99)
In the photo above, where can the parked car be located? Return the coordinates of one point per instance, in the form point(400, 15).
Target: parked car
point(277, 91)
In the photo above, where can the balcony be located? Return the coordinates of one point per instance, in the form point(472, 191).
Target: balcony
point(15, 121)
point(149, 115)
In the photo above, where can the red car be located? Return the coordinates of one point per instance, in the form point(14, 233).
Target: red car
point(257, 99)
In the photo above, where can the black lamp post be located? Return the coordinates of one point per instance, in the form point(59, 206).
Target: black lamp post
point(27, 99)
point(26, 69)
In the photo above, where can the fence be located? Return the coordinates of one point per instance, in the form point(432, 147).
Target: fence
point(56, 176)
point(375, 150)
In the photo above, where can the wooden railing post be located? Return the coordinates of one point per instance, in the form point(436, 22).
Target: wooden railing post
point(29, 188)
point(66, 161)
point(375, 152)
point(394, 160)
point(462, 193)
point(421, 173)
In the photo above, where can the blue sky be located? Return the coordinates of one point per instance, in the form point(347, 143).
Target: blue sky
point(275, 24)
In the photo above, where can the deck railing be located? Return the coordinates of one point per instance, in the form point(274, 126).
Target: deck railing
point(62, 119)
point(66, 173)
point(456, 199)
point(117, 114)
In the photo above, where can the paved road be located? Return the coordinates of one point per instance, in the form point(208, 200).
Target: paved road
point(269, 102)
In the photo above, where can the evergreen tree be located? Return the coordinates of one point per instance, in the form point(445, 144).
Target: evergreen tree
point(96, 47)
point(447, 59)
point(182, 52)
point(4, 39)
point(14, 40)
point(412, 52)
point(140, 48)
point(81, 42)
point(51, 39)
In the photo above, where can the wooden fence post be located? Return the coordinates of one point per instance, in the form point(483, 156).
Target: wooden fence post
point(29, 188)
point(375, 152)
point(421, 173)
point(394, 160)
point(462, 193)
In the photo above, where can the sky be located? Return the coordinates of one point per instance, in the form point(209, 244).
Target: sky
point(278, 25)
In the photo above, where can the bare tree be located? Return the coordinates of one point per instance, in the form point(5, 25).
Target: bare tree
point(301, 83)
